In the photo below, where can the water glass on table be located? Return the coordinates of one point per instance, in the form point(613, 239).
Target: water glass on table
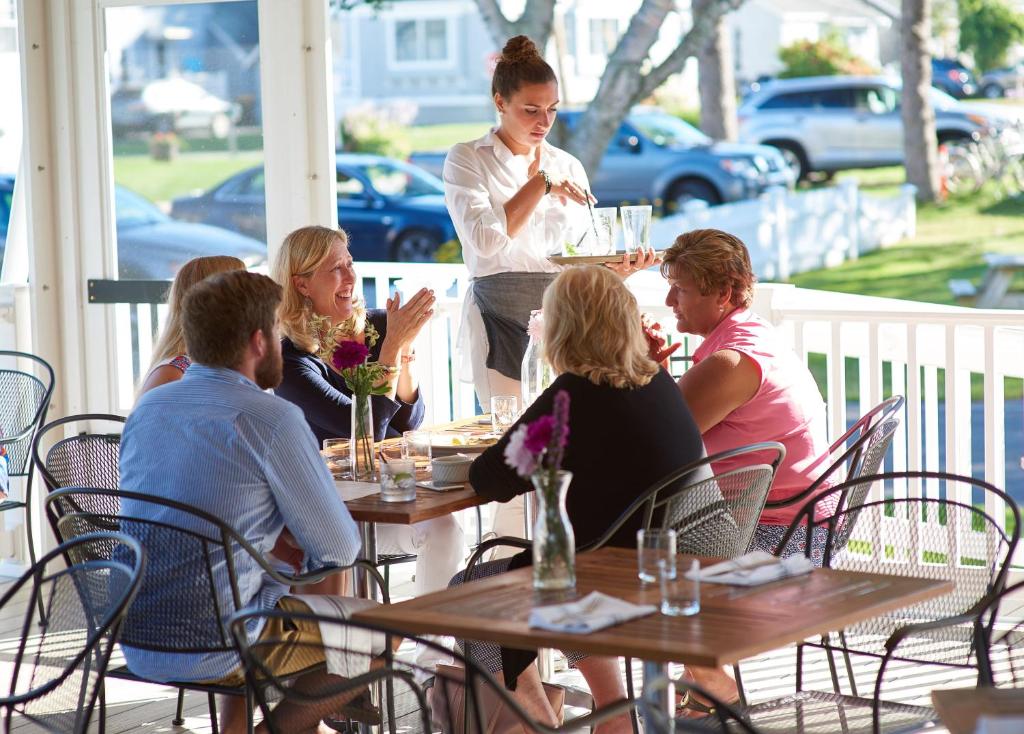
point(680, 593)
point(337, 454)
point(652, 547)
point(636, 227)
point(398, 480)
point(416, 445)
point(504, 410)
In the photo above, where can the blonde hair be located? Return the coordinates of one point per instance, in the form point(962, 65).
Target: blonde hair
point(302, 253)
point(172, 340)
point(716, 260)
point(592, 329)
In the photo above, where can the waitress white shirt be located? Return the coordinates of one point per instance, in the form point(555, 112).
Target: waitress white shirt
point(479, 177)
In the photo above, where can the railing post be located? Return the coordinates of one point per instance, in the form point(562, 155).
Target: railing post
point(780, 211)
point(908, 196)
point(849, 194)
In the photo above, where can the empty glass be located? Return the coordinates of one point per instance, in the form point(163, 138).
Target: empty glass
point(680, 595)
point(337, 454)
point(398, 480)
point(636, 227)
point(653, 546)
point(504, 409)
point(416, 445)
point(605, 221)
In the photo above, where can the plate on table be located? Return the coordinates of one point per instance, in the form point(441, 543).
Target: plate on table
point(596, 259)
point(444, 444)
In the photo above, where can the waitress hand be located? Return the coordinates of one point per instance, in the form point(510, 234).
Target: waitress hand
point(405, 322)
point(644, 259)
point(567, 191)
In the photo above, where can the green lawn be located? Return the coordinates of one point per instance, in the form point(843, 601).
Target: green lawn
point(951, 240)
point(161, 181)
point(441, 137)
point(205, 163)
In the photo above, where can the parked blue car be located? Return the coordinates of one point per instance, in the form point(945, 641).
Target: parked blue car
point(390, 209)
point(151, 245)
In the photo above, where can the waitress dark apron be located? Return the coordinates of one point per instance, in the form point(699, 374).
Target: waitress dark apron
point(505, 301)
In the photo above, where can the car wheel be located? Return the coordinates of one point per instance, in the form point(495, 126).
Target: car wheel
point(220, 126)
point(992, 91)
point(415, 246)
point(794, 156)
point(690, 189)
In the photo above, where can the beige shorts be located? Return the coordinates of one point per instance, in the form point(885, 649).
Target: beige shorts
point(300, 648)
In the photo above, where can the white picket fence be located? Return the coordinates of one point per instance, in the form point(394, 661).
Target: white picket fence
point(791, 232)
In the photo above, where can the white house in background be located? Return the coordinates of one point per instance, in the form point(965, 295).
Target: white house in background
point(761, 27)
point(438, 55)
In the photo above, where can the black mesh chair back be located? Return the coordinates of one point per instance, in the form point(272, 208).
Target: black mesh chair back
point(24, 398)
point(860, 451)
point(186, 545)
point(196, 550)
point(88, 458)
point(999, 630)
point(713, 515)
point(367, 681)
point(950, 527)
point(58, 667)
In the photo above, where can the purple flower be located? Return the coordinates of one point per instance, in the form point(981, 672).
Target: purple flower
point(538, 434)
point(518, 456)
point(349, 354)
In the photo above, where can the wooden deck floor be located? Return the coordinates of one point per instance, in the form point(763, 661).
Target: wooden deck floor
point(135, 708)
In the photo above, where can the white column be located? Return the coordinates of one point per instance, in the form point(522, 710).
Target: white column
point(298, 116)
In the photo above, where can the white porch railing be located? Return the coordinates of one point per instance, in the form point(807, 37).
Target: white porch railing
point(926, 352)
point(792, 232)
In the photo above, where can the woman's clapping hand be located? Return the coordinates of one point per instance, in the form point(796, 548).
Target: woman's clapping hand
point(405, 322)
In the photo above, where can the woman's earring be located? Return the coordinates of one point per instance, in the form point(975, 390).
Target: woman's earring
point(307, 303)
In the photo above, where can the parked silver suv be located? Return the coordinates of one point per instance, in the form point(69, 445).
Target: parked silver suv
point(835, 122)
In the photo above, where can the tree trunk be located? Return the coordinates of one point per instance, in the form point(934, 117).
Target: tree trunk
point(623, 84)
point(919, 141)
point(716, 81)
point(535, 22)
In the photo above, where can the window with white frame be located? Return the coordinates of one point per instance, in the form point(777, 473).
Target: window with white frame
point(604, 36)
point(422, 40)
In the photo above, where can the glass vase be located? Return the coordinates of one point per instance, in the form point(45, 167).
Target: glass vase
point(364, 466)
point(535, 374)
point(554, 544)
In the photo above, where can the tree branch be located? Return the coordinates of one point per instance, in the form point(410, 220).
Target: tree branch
point(497, 24)
point(535, 22)
point(695, 40)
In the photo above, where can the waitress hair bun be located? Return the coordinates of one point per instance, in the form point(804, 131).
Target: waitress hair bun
point(519, 49)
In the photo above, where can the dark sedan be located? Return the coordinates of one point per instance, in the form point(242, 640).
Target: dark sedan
point(390, 209)
point(151, 245)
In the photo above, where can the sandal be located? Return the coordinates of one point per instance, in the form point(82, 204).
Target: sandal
point(687, 705)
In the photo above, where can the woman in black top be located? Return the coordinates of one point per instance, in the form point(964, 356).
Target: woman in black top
point(315, 270)
point(628, 428)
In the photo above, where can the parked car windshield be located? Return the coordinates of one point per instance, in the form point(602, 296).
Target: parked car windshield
point(395, 180)
point(666, 130)
point(134, 211)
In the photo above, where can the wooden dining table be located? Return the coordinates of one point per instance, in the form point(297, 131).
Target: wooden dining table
point(733, 623)
point(371, 510)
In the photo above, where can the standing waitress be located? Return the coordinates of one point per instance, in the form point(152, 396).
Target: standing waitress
point(514, 199)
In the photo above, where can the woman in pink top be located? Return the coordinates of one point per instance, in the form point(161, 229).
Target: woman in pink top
point(745, 386)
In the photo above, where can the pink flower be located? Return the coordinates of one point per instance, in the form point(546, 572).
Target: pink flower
point(538, 433)
point(518, 456)
point(349, 354)
point(535, 328)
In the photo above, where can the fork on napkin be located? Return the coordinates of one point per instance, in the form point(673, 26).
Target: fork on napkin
point(593, 612)
point(754, 568)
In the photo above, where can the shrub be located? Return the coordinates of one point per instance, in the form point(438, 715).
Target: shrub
point(449, 252)
point(382, 130)
point(988, 28)
point(825, 57)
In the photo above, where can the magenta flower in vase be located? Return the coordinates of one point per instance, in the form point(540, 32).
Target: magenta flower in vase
point(535, 451)
point(363, 379)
